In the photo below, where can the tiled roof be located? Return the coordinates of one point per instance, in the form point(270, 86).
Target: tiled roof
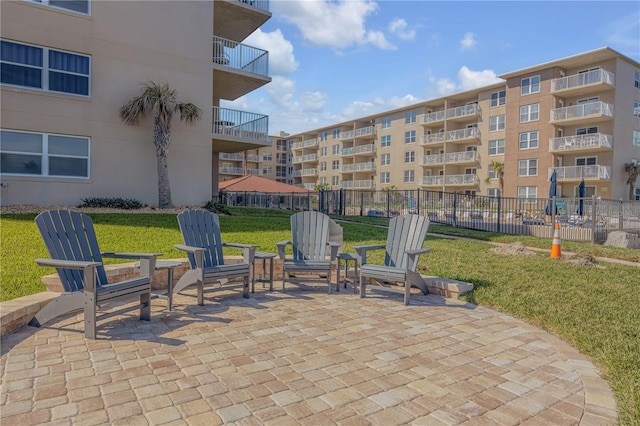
point(254, 183)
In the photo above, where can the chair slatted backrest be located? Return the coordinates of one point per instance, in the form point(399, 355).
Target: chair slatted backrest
point(201, 228)
point(406, 232)
point(310, 234)
point(69, 235)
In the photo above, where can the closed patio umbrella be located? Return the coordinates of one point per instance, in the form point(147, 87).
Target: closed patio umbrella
point(553, 187)
point(581, 194)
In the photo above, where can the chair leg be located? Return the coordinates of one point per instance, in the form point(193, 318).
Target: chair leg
point(407, 292)
point(363, 285)
point(66, 302)
point(329, 281)
point(145, 307)
point(200, 286)
point(89, 315)
point(284, 276)
point(245, 286)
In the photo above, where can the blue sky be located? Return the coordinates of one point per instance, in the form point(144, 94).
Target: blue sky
point(332, 61)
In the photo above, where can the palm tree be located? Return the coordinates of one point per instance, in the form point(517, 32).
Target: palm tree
point(633, 171)
point(160, 100)
point(498, 168)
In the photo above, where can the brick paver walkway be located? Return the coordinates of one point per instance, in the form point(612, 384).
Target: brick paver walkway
point(302, 357)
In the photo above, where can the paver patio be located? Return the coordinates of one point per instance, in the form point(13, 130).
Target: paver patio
point(300, 357)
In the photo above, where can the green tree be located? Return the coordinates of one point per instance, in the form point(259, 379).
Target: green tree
point(633, 171)
point(160, 101)
point(322, 187)
point(498, 168)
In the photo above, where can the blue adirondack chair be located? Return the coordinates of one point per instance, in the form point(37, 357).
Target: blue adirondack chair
point(203, 244)
point(311, 246)
point(73, 246)
point(403, 248)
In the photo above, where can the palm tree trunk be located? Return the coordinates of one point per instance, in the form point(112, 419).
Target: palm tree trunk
point(164, 189)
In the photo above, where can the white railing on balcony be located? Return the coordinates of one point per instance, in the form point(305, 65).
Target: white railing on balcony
point(470, 133)
point(592, 140)
point(347, 167)
point(462, 157)
point(253, 158)
point(364, 149)
point(309, 186)
point(297, 159)
point(295, 173)
point(346, 135)
point(231, 171)
point(234, 156)
point(304, 144)
point(432, 180)
point(594, 171)
point(366, 183)
point(428, 160)
point(599, 76)
point(309, 172)
point(346, 151)
point(358, 167)
point(240, 124)
point(461, 180)
point(258, 4)
point(310, 157)
point(365, 131)
point(256, 172)
point(433, 138)
point(462, 111)
point(589, 109)
point(240, 56)
point(432, 117)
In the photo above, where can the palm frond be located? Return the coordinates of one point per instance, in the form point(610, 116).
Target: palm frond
point(189, 112)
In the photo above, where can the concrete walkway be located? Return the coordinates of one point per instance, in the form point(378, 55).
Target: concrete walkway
point(301, 357)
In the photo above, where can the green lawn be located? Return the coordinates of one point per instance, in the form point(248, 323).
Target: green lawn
point(596, 310)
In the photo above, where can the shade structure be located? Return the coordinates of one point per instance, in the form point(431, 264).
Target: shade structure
point(581, 194)
point(553, 187)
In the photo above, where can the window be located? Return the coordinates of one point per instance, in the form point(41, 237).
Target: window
point(335, 180)
point(589, 191)
point(636, 138)
point(410, 157)
point(385, 160)
point(410, 117)
point(267, 156)
point(410, 137)
point(636, 108)
point(335, 165)
point(529, 140)
point(323, 136)
point(42, 154)
point(266, 170)
point(529, 113)
point(323, 151)
point(530, 85)
point(323, 166)
point(637, 190)
point(323, 180)
point(409, 176)
point(527, 192)
point(586, 161)
point(336, 133)
point(385, 177)
point(385, 141)
point(492, 174)
point(496, 147)
point(335, 149)
point(498, 98)
point(492, 192)
point(386, 122)
point(45, 69)
point(528, 167)
point(496, 123)
point(586, 130)
point(80, 6)
point(637, 80)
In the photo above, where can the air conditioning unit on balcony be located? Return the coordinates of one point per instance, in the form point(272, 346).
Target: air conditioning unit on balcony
point(562, 73)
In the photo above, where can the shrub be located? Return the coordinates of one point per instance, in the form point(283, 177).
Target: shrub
point(113, 203)
point(217, 207)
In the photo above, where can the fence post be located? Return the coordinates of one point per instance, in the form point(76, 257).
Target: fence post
point(621, 216)
point(361, 202)
point(499, 210)
point(593, 219)
point(455, 216)
point(418, 201)
point(389, 203)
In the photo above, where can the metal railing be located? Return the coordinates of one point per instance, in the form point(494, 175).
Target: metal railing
point(432, 138)
point(583, 79)
point(240, 124)
point(434, 159)
point(240, 56)
point(470, 133)
point(258, 4)
point(364, 149)
point(581, 172)
point(576, 142)
point(462, 157)
point(588, 109)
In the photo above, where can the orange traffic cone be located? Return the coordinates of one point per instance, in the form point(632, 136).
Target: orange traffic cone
point(556, 251)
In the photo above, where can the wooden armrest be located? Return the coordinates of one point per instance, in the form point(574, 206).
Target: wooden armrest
point(249, 250)
point(361, 251)
point(189, 249)
point(281, 248)
point(418, 251)
point(67, 264)
point(126, 255)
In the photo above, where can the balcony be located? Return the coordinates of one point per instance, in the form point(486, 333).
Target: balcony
point(254, 158)
point(583, 83)
point(364, 149)
point(358, 167)
point(461, 180)
point(358, 133)
point(234, 156)
point(432, 117)
point(462, 157)
point(346, 151)
point(433, 139)
point(309, 186)
point(432, 180)
point(591, 172)
point(238, 68)
point(256, 172)
point(357, 184)
point(432, 160)
point(231, 171)
point(309, 172)
point(588, 112)
point(235, 131)
point(589, 142)
point(305, 144)
point(470, 133)
point(236, 19)
point(304, 158)
point(470, 110)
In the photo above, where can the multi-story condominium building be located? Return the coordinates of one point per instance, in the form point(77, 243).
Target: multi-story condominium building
point(579, 116)
point(271, 162)
point(68, 67)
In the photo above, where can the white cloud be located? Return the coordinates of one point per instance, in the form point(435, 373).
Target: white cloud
point(623, 33)
point(313, 101)
point(468, 41)
point(281, 58)
point(467, 80)
point(337, 24)
point(399, 27)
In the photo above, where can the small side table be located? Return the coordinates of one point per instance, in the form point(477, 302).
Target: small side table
point(347, 257)
point(264, 256)
point(169, 265)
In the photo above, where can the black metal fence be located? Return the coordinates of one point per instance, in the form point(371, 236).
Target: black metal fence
point(586, 219)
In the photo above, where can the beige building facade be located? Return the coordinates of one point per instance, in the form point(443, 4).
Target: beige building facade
point(579, 116)
point(68, 67)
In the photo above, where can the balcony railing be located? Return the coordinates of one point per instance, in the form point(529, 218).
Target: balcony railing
point(253, 158)
point(429, 160)
point(258, 4)
point(309, 186)
point(463, 111)
point(592, 172)
point(304, 144)
point(346, 151)
point(234, 157)
point(462, 157)
point(358, 167)
point(456, 135)
point(231, 171)
point(461, 180)
point(433, 138)
point(432, 180)
point(579, 142)
point(240, 56)
point(256, 172)
point(432, 117)
point(367, 183)
point(363, 131)
point(309, 172)
point(364, 149)
point(240, 124)
point(590, 109)
point(598, 76)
